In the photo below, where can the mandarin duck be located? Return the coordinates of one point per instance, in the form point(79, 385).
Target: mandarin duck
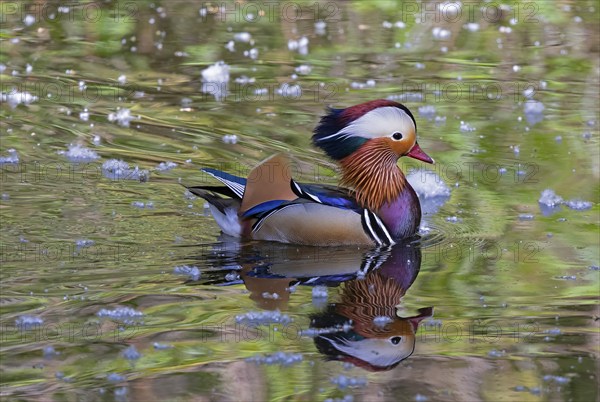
point(374, 204)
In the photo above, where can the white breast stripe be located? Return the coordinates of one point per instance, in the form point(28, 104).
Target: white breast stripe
point(385, 231)
point(368, 223)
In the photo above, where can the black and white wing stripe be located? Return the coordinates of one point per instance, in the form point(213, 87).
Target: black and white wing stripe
point(299, 191)
point(376, 229)
point(326, 195)
point(236, 184)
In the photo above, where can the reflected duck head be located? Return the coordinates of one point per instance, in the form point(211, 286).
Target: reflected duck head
point(364, 327)
point(379, 350)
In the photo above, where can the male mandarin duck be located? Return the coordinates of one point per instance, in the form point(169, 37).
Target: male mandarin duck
point(379, 207)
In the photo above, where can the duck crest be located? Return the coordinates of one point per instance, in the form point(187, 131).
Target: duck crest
point(330, 136)
point(326, 134)
point(373, 175)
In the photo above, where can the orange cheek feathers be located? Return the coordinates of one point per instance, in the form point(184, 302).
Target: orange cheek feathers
point(398, 147)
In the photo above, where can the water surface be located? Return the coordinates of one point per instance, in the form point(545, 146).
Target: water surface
point(117, 286)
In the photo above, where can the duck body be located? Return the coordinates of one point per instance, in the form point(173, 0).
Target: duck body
point(374, 205)
point(403, 215)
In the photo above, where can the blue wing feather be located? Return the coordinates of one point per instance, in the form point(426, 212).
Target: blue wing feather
point(235, 183)
point(263, 207)
point(323, 194)
point(327, 195)
point(226, 176)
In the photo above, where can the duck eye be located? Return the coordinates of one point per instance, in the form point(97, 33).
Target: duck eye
point(397, 136)
point(395, 339)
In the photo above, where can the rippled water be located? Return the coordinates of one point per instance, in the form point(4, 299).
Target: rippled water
point(117, 286)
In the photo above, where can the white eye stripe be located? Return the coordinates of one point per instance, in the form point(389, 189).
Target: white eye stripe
point(378, 123)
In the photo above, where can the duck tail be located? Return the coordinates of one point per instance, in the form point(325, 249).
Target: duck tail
point(224, 210)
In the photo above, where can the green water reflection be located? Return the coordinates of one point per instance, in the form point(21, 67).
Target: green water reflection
point(514, 290)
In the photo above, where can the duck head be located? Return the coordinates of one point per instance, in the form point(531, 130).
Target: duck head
point(343, 132)
point(367, 140)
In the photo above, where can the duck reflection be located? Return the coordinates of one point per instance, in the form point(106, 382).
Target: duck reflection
point(370, 332)
point(362, 326)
